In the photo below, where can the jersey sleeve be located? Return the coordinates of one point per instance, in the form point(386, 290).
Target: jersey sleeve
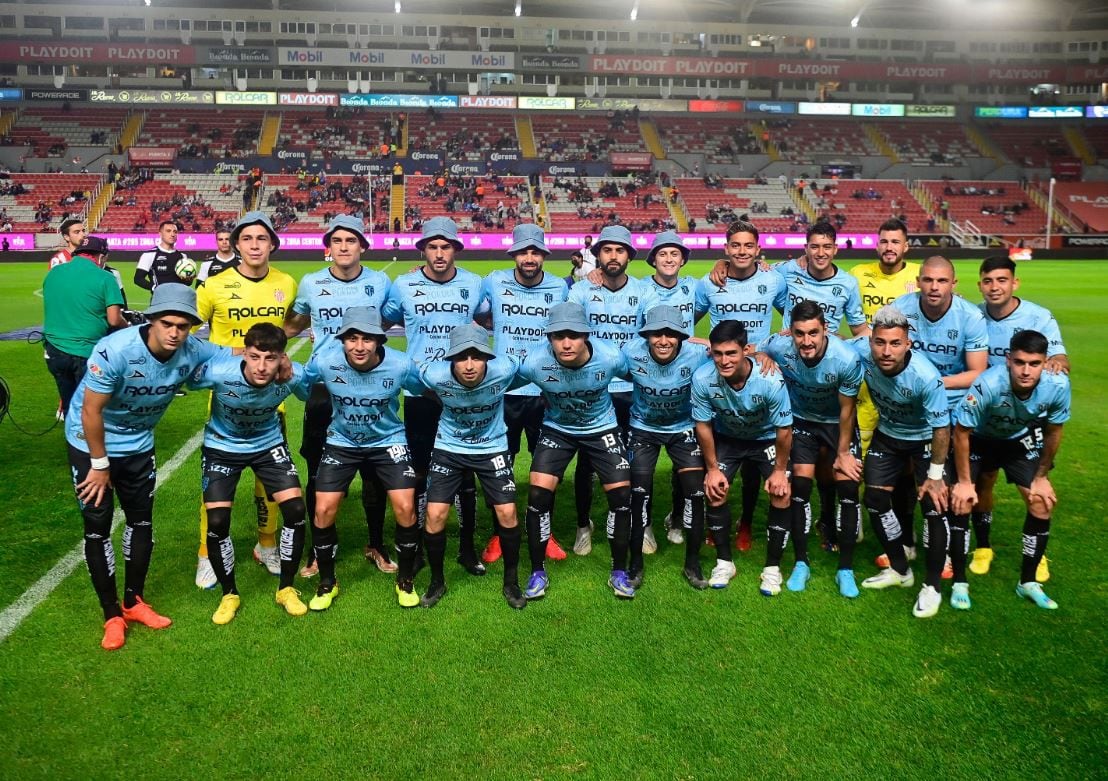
point(105, 370)
point(312, 375)
point(299, 384)
point(967, 412)
point(392, 309)
point(514, 373)
point(206, 351)
point(577, 293)
point(412, 382)
point(977, 333)
point(779, 407)
point(204, 306)
point(935, 407)
point(1059, 411)
point(301, 305)
point(201, 377)
point(850, 381)
point(701, 403)
point(781, 297)
point(1053, 335)
point(772, 346)
point(854, 313)
point(700, 298)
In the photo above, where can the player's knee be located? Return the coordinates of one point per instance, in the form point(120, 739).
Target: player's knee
point(846, 491)
point(619, 499)
point(540, 500)
point(802, 489)
point(219, 521)
point(877, 500)
point(692, 483)
point(292, 511)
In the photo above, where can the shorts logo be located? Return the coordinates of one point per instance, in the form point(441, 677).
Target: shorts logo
point(398, 453)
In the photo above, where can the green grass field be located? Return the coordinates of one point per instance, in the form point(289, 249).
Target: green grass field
point(675, 684)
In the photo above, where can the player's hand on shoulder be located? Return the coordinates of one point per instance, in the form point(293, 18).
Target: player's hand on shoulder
point(718, 275)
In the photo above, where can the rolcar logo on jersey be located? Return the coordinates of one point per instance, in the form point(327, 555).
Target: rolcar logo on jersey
point(759, 309)
point(330, 312)
point(603, 318)
point(876, 301)
point(475, 410)
point(999, 352)
point(442, 306)
point(248, 411)
point(352, 401)
point(239, 313)
point(940, 349)
point(520, 309)
point(149, 390)
point(648, 390)
point(578, 394)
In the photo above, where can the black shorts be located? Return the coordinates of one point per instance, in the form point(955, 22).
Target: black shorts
point(887, 459)
point(1019, 458)
point(495, 470)
point(605, 451)
point(523, 414)
point(317, 417)
point(392, 464)
point(644, 447)
point(133, 480)
point(220, 471)
point(809, 437)
point(421, 423)
point(734, 453)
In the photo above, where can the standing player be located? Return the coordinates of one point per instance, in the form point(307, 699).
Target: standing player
point(822, 375)
point(519, 302)
point(245, 431)
point(742, 416)
point(574, 372)
point(159, 265)
point(225, 257)
point(252, 292)
point(1012, 419)
point(913, 432)
point(73, 232)
point(471, 439)
point(131, 379)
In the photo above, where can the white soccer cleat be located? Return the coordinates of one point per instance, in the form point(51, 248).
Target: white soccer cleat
point(268, 558)
point(649, 544)
point(927, 603)
point(582, 544)
point(722, 574)
point(888, 578)
point(770, 585)
point(205, 575)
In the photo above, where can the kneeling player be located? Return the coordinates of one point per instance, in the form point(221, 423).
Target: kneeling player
point(245, 431)
point(1011, 419)
point(471, 439)
point(364, 379)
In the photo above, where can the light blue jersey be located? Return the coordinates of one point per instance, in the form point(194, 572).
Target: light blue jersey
point(1025, 317)
point(324, 297)
point(838, 296)
point(753, 413)
point(365, 405)
point(472, 419)
point(750, 301)
point(814, 390)
point(577, 400)
point(992, 409)
point(430, 310)
point(140, 386)
point(681, 296)
point(244, 417)
point(946, 341)
point(615, 315)
point(912, 402)
point(662, 398)
point(519, 314)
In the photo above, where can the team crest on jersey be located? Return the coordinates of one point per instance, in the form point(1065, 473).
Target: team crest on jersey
point(465, 294)
point(548, 298)
point(829, 377)
point(758, 399)
point(837, 291)
point(182, 371)
point(633, 301)
point(388, 383)
point(952, 333)
point(279, 296)
point(369, 290)
point(599, 376)
point(762, 290)
point(686, 372)
point(96, 370)
point(907, 392)
point(685, 289)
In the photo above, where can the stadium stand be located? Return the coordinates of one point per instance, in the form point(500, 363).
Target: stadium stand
point(714, 207)
point(1031, 146)
point(863, 204)
point(308, 202)
point(570, 137)
point(993, 207)
point(203, 132)
point(52, 130)
point(196, 201)
point(37, 203)
point(1097, 138)
point(462, 136)
point(718, 139)
point(586, 204)
point(928, 143)
point(494, 203)
point(342, 133)
point(800, 141)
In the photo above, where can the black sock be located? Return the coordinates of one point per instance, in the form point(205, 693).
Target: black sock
point(619, 506)
point(435, 545)
point(886, 527)
point(138, 547)
point(540, 503)
point(582, 489)
point(751, 485)
point(309, 515)
point(640, 511)
point(777, 534)
point(509, 548)
point(718, 520)
point(677, 499)
point(959, 546)
point(904, 504)
point(982, 525)
point(936, 542)
point(221, 551)
point(847, 530)
point(373, 502)
point(291, 543)
point(406, 537)
point(827, 495)
point(100, 558)
point(1036, 532)
point(326, 545)
point(465, 502)
point(801, 516)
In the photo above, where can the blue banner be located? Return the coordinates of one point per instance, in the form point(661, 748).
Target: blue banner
point(377, 100)
point(771, 106)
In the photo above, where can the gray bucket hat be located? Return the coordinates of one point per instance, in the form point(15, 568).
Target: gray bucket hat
point(614, 234)
point(469, 337)
point(363, 319)
point(528, 235)
point(440, 228)
point(568, 316)
point(664, 318)
point(255, 218)
point(668, 239)
point(347, 223)
point(175, 298)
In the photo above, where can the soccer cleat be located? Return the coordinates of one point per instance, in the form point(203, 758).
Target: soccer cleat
point(435, 591)
point(582, 545)
point(721, 574)
point(309, 570)
point(228, 606)
point(800, 576)
point(470, 563)
point(289, 599)
point(676, 535)
point(882, 561)
point(889, 577)
point(635, 579)
point(492, 550)
point(1042, 572)
point(770, 585)
point(982, 560)
point(205, 575)
point(827, 538)
point(115, 634)
point(848, 587)
point(268, 558)
point(1034, 592)
point(744, 538)
point(380, 559)
point(143, 614)
point(513, 596)
point(927, 603)
point(554, 551)
point(649, 544)
point(618, 581)
point(405, 594)
point(948, 570)
point(324, 596)
point(695, 577)
point(959, 596)
point(536, 584)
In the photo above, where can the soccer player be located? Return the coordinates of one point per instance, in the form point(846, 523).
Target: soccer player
point(913, 431)
point(252, 292)
point(574, 372)
point(1012, 419)
point(364, 379)
point(245, 431)
point(662, 365)
point(471, 438)
point(225, 257)
point(159, 265)
point(73, 232)
point(1005, 316)
point(519, 302)
point(429, 302)
point(321, 300)
point(613, 309)
point(131, 379)
point(742, 416)
point(822, 375)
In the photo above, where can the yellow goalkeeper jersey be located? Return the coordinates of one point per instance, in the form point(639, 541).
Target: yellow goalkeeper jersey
point(879, 289)
point(232, 303)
